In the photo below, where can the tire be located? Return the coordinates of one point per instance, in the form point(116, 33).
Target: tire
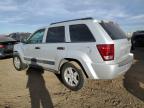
point(19, 66)
point(72, 76)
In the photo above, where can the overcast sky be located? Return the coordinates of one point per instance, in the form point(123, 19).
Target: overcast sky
point(28, 15)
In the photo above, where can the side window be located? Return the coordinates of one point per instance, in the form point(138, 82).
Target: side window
point(37, 37)
point(56, 34)
point(80, 33)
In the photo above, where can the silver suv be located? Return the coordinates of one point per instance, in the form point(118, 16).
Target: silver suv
point(77, 49)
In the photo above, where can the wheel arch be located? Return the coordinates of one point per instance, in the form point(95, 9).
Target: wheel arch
point(65, 60)
point(18, 50)
point(19, 54)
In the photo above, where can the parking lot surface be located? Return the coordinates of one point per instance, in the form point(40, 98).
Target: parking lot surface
point(34, 88)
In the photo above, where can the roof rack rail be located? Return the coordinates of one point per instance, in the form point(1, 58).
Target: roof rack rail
point(88, 18)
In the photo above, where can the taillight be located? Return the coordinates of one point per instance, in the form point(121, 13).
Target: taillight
point(106, 51)
point(2, 46)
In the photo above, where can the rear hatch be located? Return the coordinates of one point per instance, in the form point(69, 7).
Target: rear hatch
point(7, 44)
point(9, 47)
point(121, 44)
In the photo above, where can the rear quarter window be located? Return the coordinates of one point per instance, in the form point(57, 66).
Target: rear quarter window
point(80, 33)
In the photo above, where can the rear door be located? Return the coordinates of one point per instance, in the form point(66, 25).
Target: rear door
point(121, 43)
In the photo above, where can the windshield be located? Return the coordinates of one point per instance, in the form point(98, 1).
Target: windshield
point(113, 29)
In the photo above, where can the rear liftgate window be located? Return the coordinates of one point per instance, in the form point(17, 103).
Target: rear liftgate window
point(114, 31)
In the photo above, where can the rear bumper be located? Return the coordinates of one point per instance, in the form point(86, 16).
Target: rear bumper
point(106, 71)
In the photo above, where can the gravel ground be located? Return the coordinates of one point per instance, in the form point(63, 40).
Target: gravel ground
point(34, 88)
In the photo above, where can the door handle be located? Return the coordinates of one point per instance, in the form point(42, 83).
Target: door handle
point(37, 47)
point(60, 48)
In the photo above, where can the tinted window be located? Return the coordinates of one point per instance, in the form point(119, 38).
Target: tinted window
point(113, 30)
point(56, 34)
point(37, 37)
point(80, 33)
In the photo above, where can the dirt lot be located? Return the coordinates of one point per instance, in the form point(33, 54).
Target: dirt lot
point(33, 88)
